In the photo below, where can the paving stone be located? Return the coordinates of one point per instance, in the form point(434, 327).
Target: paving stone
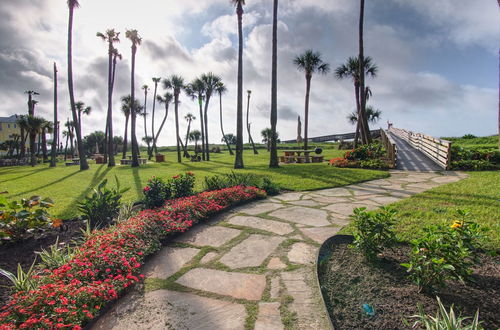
point(297, 236)
point(340, 222)
point(384, 200)
point(334, 192)
point(269, 317)
point(446, 179)
point(208, 257)
point(163, 309)
point(251, 252)
point(302, 215)
point(342, 208)
point(202, 235)
point(302, 253)
point(275, 287)
point(320, 234)
point(168, 261)
point(425, 186)
point(277, 227)
point(258, 208)
point(329, 200)
point(361, 191)
point(236, 285)
point(306, 202)
point(293, 196)
point(276, 263)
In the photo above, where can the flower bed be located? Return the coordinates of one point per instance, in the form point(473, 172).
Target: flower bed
point(109, 261)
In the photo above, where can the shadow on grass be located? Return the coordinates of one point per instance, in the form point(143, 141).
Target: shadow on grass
point(47, 184)
point(37, 171)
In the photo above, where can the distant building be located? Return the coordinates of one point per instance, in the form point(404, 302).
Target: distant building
point(8, 127)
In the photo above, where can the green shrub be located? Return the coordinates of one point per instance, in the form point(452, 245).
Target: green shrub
point(473, 165)
point(374, 231)
point(17, 217)
point(377, 164)
point(366, 151)
point(156, 192)
point(103, 205)
point(444, 320)
point(182, 185)
point(232, 179)
point(215, 182)
point(469, 136)
point(23, 281)
point(56, 256)
point(270, 187)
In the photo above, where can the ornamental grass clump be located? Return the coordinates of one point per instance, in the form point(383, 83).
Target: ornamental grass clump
point(374, 231)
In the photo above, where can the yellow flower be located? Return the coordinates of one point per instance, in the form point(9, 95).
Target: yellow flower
point(456, 224)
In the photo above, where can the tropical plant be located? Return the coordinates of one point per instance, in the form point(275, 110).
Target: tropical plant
point(56, 256)
point(34, 128)
point(156, 192)
point(372, 114)
point(47, 127)
point(176, 83)
point(23, 281)
point(166, 99)
point(136, 40)
point(72, 4)
point(102, 205)
point(182, 185)
point(211, 82)
point(153, 147)
point(267, 135)
point(310, 62)
point(221, 89)
point(144, 114)
point(81, 108)
point(238, 161)
point(273, 156)
point(361, 70)
point(126, 110)
point(250, 140)
point(127, 210)
point(196, 90)
point(23, 127)
point(230, 138)
point(189, 118)
point(111, 37)
point(195, 136)
point(55, 138)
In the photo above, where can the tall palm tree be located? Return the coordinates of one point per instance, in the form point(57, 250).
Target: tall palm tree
point(35, 125)
point(176, 83)
point(267, 135)
point(238, 161)
point(72, 4)
point(81, 108)
point(362, 98)
point(195, 136)
point(111, 37)
point(23, 127)
point(70, 126)
point(255, 152)
point(273, 157)
point(221, 89)
point(153, 148)
point(310, 62)
point(134, 37)
point(210, 80)
point(144, 114)
point(166, 99)
point(47, 127)
point(126, 110)
point(66, 135)
point(350, 70)
point(31, 105)
point(196, 90)
point(55, 136)
point(373, 115)
point(189, 118)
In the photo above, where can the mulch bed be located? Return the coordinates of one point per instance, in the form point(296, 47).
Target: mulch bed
point(23, 252)
point(348, 282)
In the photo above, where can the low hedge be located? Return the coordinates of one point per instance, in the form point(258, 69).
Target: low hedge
point(109, 262)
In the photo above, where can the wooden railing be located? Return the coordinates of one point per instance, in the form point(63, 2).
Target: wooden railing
point(437, 150)
point(390, 146)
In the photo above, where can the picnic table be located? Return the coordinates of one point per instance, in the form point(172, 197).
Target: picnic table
point(294, 156)
point(129, 161)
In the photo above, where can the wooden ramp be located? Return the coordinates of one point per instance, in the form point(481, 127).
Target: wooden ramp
point(410, 158)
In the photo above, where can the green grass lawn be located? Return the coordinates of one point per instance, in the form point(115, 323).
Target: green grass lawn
point(67, 185)
point(483, 142)
point(480, 194)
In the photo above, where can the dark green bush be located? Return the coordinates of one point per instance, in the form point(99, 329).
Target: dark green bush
point(156, 193)
point(232, 179)
point(182, 185)
point(473, 165)
point(377, 164)
point(366, 151)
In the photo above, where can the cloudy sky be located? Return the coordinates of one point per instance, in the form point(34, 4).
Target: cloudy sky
point(438, 60)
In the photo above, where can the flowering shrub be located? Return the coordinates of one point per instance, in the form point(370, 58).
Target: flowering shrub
point(182, 185)
point(365, 152)
point(109, 261)
point(339, 162)
point(156, 193)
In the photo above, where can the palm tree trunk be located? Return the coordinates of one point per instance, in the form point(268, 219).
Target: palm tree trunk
point(66, 148)
point(135, 146)
point(238, 162)
point(55, 136)
point(176, 96)
point(306, 113)
point(125, 139)
point(200, 102)
point(153, 147)
point(106, 141)
point(23, 144)
point(255, 152)
point(222, 128)
point(364, 121)
point(109, 119)
point(161, 126)
point(32, 148)
point(359, 130)
point(44, 146)
point(83, 159)
point(207, 151)
point(145, 122)
point(273, 157)
point(186, 153)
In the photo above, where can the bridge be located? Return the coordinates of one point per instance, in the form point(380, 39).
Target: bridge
point(335, 137)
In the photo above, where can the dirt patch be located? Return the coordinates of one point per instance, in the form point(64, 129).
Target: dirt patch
point(348, 282)
point(23, 252)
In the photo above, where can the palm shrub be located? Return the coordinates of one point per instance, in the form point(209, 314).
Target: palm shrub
point(102, 205)
point(374, 231)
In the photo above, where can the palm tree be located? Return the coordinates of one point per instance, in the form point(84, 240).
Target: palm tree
point(221, 89)
point(133, 35)
point(189, 118)
point(72, 4)
point(238, 161)
point(255, 152)
point(310, 62)
point(267, 135)
point(31, 105)
point(166, 99)
point(196, 90)
point(273, 157)
point(126, 110)
point(66, 135)
point(23, 126)
point(350, 70)
point(47, 127)
point(81, 108)
point(55, 136)
point(35, 125)
point(70, 127)
point(210, 80)
point(362, 98)
point(176, 83)
point(373, 115)
point(110, 36)
point(230, 138)
point(153, 148)
point(144, 114)
point(195, 136)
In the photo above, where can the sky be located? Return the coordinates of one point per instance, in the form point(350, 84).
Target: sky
point(437, 61)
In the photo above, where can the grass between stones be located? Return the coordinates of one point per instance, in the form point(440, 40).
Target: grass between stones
point(252, 312)
point(66, 185)
point(288, 318)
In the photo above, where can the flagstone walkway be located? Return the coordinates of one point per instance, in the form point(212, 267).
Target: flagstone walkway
point(254, 266)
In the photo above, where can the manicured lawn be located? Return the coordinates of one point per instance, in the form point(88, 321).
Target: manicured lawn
point(67, 185)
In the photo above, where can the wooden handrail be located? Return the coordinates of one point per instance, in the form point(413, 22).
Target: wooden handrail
point(390, 147)
point(437, 150)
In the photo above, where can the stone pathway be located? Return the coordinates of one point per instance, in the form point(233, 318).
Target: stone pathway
point(254, 266)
